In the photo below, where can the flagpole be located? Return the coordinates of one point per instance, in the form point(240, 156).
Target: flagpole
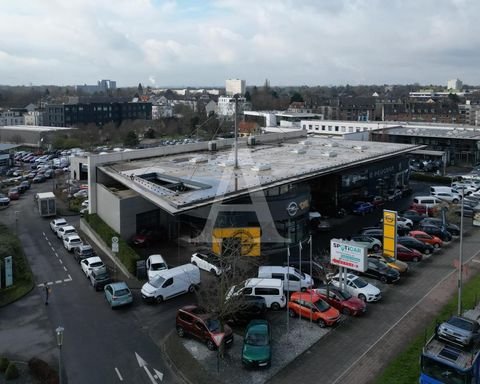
point(311, 274)
point(288, 287)
point(300, 269)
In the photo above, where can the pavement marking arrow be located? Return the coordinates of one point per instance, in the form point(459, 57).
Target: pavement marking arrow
point(143, 364)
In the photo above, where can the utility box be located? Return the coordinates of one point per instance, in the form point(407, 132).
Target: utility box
point(46, 204)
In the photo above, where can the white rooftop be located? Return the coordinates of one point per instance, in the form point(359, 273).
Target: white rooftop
point(179, 182)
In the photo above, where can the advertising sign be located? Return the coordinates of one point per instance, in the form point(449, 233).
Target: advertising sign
point(348, 255)
point(248, 240)
point(390, 233)
point(8, 271)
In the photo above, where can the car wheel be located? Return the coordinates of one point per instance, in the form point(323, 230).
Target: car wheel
point(321, 323)
point(383, 279)
point(415, 259)
point(376, 248)
point(292, 313)
point(303, 289)
point(180, 332)
point(455, 201)
point(191, 288)
point(212, 271)
point(346, 311)
point(362, 297)
point(211, 345)
point(427, 251)
point(159, 299)
point(194, 263)
point(275, 306)
point(436, 245)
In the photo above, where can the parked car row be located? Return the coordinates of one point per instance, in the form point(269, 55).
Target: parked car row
point(116, 293)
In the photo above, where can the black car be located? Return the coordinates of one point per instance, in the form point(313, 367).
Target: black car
point(412, 243)
point(83, 252)
point(413, 215)
point(380, 271)
point(375, 232)
point(99, 278)
point(251, 307)
point(452, 228)
point(441, 233)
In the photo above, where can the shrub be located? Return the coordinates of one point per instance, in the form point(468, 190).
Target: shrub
point(126, 254)
point(11, 372)
point(40, 369)
point(433, 178)
point(4, 364)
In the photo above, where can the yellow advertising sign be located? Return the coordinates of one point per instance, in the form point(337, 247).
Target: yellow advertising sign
point(248, 239)
point(390, 233)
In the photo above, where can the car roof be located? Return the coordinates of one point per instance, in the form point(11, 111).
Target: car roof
point(93, 259)
point(310, 296)
point(67, 227)
point(118, 285)
point(156, 258)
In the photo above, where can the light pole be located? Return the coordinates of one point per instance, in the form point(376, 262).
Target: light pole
point(460, 259)
point(59, 331)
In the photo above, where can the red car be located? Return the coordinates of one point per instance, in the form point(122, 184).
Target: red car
point(422, 209)
point(407, 254)
point(144, 238)
point(14, 193)
point(426, 238)
point(342, 300)
point(311, 305)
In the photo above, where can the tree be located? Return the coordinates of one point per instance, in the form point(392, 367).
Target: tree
point(248, 97)
point(149, 134)
point(140, 89)
point(131, 139)
point(296, 97)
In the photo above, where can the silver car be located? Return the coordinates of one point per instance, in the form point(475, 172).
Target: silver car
point(460, 330)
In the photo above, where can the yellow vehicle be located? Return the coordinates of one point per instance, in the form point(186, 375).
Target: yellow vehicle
point(400, 266)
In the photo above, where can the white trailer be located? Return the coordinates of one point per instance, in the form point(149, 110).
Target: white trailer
point(46, 204)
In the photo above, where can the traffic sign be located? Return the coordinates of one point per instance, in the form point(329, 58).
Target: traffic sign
point(114, 247)
point(114, 239)
point(218, 338)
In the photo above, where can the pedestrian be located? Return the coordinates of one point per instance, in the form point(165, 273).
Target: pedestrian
point(47, 292)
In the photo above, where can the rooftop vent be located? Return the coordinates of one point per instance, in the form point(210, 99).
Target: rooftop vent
point(305, 142)
point(261, 167)
point(298, 151)
point(212, 146)
point(199, 159)
point(332, 144)
point(360, 147)
point(329, 154)
point(251, 140)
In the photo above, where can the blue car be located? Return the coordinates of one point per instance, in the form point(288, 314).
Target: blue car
point(118, 294)
point(362, 208)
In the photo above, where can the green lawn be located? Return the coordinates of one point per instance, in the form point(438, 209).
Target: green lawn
point(405, 369)
point(22, 275)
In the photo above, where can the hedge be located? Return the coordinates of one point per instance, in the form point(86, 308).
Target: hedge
point(42, 371)
point(4, 364)
point(11, 372)
point(447, 180)
point(126, 254)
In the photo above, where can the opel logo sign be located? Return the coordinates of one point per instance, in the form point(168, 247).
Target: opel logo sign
point(292, 208)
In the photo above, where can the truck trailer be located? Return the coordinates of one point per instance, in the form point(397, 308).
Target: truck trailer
point(46, 204)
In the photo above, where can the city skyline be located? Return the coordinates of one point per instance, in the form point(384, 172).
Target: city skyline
point(186, 43)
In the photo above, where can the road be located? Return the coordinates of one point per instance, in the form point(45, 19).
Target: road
point(100, 344)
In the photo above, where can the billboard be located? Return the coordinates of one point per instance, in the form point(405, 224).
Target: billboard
point(390, 233)
point(248, 240)
point(348, 255)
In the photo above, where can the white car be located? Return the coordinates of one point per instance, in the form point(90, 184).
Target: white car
point(71, 242)
point(207, 261)
point(367, 241)
point(90, 264)
point(66, 230)
point(358, 287)
point(85, 204)
point(468, 188)
point(449, 197)
point(57, 223)
point(81, 193)
point(404, 222)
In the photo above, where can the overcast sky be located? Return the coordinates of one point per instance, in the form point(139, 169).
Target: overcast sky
point(203, 42)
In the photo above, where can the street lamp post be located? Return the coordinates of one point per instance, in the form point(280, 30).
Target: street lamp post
point(460, 259)
point(59, 331)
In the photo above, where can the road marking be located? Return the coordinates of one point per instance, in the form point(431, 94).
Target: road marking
point(399, 320)
point(56, 254)
point(44, 234)
point(69, 278)
point(53, 249)
point(60, 260)
point(143, 364)
point(65, 268)
point(118, 374)
point(58, 281)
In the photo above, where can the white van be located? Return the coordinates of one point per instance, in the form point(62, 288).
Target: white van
point(171, 282)
point(426, 200)
point(293, 279)
point(270, 289)
point(154, 265)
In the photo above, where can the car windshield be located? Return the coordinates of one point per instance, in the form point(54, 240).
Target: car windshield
point(359, 282)
point(101, 276)
point(321, 305)
point(158, 266)
point(389, 259)
point(96, 264)
point(444, 373)
point(344, 295)
point(300, 273)
point(157, 281)
point(254, 338)
point(122, 292)
point(461, 323)
point(213, 325)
